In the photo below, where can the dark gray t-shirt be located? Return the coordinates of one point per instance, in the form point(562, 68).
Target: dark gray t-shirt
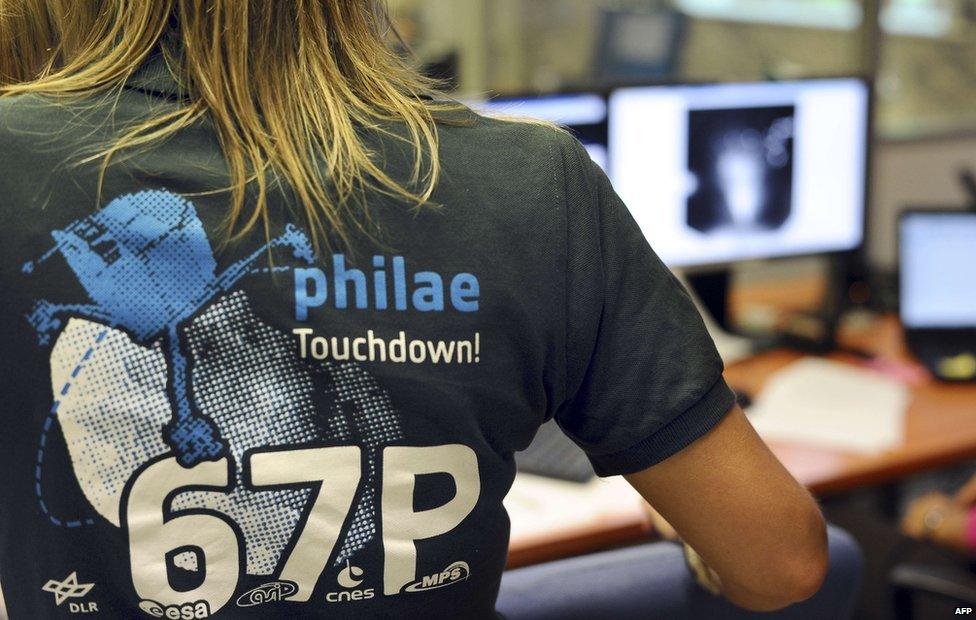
point(188, 429)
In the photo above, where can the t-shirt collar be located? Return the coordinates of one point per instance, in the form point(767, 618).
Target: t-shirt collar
point(156, 77)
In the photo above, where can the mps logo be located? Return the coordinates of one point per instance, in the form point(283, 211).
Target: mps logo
point(166, 355)
point(455, 573)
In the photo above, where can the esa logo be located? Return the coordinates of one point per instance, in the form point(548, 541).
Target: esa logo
point(459, 571)
point(349, 578)
point(187, 611)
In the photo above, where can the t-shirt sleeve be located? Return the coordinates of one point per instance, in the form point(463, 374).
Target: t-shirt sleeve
point(643, 377)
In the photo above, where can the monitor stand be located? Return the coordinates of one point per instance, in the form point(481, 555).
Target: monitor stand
point(712, 289)
point(710, 292)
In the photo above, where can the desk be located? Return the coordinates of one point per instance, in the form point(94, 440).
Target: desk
point(940, 431)
point(940, 427)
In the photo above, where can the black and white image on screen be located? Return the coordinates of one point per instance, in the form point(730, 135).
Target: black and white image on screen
point(720, 173)
point(741, 164)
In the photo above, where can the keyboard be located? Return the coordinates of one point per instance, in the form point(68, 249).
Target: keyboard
point(554, 455)
point(949, 353)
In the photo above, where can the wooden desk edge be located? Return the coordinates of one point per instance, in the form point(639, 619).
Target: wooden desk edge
point(618, 530)
point(857, 478)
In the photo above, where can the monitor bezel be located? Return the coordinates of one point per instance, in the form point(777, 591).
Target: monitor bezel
point(675, 44)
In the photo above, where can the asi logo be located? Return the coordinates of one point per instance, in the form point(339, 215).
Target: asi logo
point(272, 592)
point(459, 571)
point(349, 578)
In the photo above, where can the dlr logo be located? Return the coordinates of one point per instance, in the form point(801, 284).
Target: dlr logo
point(335, 472)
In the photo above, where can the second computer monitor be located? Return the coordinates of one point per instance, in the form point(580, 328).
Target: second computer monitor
point(585, 114)
point(715, 174)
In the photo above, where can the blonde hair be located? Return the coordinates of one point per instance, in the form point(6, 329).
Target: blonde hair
point(290, 87)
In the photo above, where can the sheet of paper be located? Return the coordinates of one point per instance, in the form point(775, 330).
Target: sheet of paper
point(832, 405)
point(539, 506)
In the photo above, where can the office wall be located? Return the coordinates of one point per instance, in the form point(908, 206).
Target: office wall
point(459, 25)
point(911, 174)
point(926, 83)
point(564, 36)
point(720, 50)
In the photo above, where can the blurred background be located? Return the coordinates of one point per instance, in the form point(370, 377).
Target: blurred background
point(921, 55)
point(871, 405)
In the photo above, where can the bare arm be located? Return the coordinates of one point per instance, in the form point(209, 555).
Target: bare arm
point(733, 502)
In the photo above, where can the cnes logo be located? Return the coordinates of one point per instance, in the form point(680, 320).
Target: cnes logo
point(459, 571)
point(350, 578)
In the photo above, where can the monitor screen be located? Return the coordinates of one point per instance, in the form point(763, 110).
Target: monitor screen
point(585, 114)
point(721, 173)
point(636, 45)
point(937, 258)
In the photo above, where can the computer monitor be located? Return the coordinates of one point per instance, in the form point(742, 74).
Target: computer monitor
point(585, 114)
point(638, 45)
point(716, 174)
point(937, 254)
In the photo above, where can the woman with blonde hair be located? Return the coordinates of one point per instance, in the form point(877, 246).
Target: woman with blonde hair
point(276, 316)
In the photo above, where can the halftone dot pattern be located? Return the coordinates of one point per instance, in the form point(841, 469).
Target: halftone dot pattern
point(147, 266)
point(42, 443)
point(338, 427)
point(249, 382)
point(187, 561)
point(113, 415)
point(375, 423)
point(145, 259)
point(247, 379)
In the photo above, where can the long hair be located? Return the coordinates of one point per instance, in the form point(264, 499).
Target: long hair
point(291, 88)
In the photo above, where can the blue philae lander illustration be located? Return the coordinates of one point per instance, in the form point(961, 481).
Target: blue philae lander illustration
point(166, 357)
